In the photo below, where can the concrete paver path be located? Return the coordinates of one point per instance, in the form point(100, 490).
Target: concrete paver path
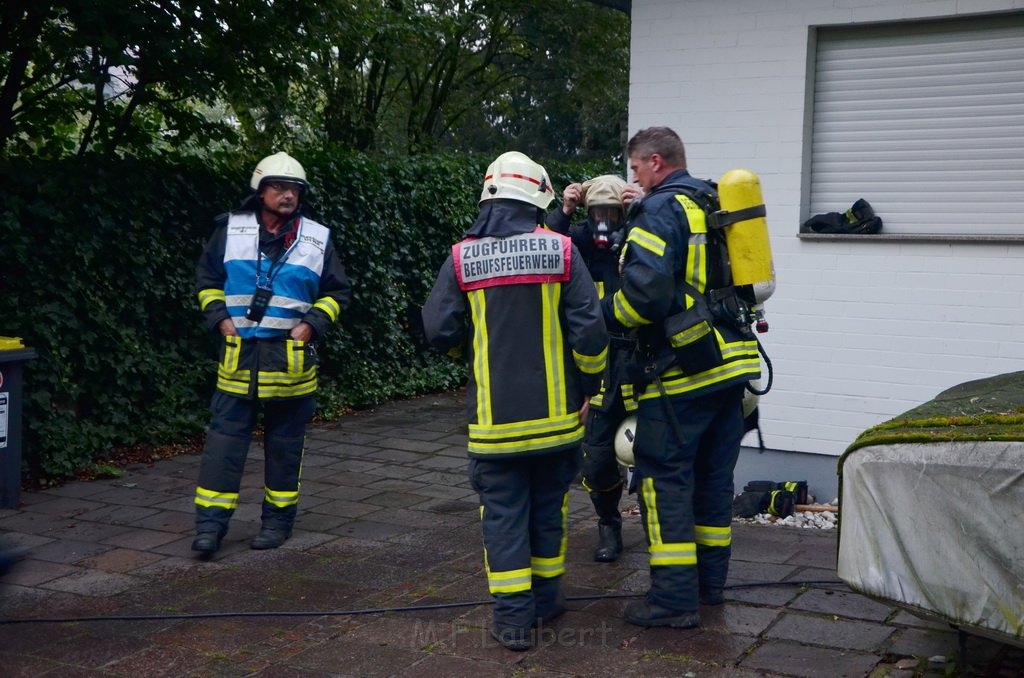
point(384, 577)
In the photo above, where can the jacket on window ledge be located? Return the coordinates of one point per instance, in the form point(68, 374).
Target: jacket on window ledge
point(859, 219)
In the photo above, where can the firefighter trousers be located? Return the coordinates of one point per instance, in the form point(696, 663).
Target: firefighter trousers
point(686, 492)
point(600, 467)
point(524, 505)
point(227, 446)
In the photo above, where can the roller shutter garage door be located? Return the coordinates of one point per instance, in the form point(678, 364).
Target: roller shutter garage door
point(925, 120)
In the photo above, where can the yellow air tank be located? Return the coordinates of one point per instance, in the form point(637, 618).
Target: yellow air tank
point(746, 238)
point(750, 253)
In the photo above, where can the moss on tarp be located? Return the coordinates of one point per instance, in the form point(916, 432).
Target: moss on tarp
point(984, 409)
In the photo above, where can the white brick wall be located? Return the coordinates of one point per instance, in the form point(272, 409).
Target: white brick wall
point(860, 332)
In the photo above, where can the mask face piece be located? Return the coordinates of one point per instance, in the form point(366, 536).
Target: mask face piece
point(610, 215)
point(606, 220)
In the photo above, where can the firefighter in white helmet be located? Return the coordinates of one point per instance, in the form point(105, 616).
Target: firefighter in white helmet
point(517, 299)
point(599, 238)
point(270, 283)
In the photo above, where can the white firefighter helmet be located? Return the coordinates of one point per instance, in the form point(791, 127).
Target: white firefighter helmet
point(280, 167)
point(624, 437)
point(513, 176)
point(603, 190)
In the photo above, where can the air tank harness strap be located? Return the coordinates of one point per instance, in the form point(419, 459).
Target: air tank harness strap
point(671, 411)
point(722, 218)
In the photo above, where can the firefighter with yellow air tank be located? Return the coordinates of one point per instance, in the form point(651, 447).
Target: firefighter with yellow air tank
point(692, 318)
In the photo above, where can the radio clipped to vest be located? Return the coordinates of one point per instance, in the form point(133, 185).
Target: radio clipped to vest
point(259, 303)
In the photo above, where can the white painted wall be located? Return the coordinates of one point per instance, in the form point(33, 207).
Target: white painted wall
point(860, 331)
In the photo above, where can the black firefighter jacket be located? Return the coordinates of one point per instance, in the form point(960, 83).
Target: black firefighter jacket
point(666, 260)
point(518, 301)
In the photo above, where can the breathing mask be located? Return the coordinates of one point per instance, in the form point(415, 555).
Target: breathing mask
point(606, 224)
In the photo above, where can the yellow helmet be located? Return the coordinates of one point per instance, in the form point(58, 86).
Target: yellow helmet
point(624, 437)
point(280, 167)
point(513, 176)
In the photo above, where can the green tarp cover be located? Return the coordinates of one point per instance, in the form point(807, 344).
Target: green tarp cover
point(930, 505)
point(985, 409)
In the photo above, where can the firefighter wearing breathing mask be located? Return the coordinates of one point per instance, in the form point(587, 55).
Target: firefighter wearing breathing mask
point(599, 239)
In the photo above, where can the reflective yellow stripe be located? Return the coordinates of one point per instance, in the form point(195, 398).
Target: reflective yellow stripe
point(520, 428)
point(553, 567)
point(295, 356)
point(681, 553)
point(737, 348)
point(288, 391)
point(647, 240)
point(207, 296)
point(600, 288)
point(564, 546)
point(481, 363)
point(696, 257)
point(548, 567)
point(694, 214)
point(328, 306)
point(232, 351)
point(629, 398)
point(280, 498)
point(741, 359)
point(625, 313)
point(707, 535)
point(527, 445)
point(591, 364)
point(554, 358)
point(676, 382)
point(214, 499)
point(236, 383)
point(512, 581)
point(690, 335)
point(651, 504)
point(283, 378)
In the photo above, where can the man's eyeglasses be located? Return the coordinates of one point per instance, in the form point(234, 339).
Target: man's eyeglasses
point(284, 186)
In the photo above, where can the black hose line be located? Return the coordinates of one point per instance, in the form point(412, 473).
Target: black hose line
point(352, 613)
point(771, 371)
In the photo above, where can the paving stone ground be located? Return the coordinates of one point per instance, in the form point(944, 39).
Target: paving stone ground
point(384, 577)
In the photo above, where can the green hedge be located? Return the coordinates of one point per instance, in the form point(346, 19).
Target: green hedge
point(99, 255)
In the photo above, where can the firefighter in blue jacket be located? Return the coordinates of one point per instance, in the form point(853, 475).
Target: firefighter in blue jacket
point(693, 368)
point(518, 300)
point(270, 282)
point(599, 239)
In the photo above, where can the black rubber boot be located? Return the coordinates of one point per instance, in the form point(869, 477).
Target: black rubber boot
point(548, 600)
point(270, 538)
point(643, 613)
point(711, 595)
point(609, 525)
point(515, 638)
point(206, 543)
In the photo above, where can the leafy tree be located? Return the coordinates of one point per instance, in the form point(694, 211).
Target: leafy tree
point(569, 96)
point(144, 76)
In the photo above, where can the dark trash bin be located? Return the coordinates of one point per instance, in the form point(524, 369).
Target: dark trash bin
point(13, 356)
